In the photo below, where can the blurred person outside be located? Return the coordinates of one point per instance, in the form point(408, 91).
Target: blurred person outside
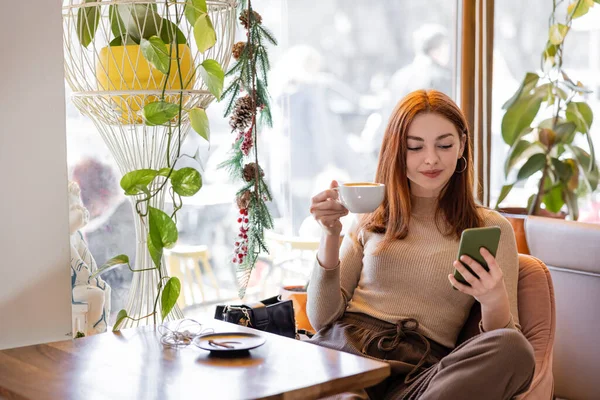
point(310, 137)
point(111, 229)
point(429, 69)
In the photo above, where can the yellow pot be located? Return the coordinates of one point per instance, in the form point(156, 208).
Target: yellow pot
point(121, 68)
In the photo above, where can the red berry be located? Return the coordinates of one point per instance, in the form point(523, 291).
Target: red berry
point(240, 256)
point(245, 236)
point(246, 220)
point(245, 212)
point(234, 260)
point(239, 220)
point(242, 210)
point(237, 243)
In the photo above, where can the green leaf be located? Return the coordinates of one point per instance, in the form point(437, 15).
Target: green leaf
point(550, 50)
point(186, 181)
point(557, 33)
point(160, 112)
point(553, 199)
point(571, 200)
point(581, 114)
point(121, 41)
point(591, 172)
point(156, 52)
point(168, 29)
point(169, 296)
point(578, 87)
point(155, 254)
point(503, 193)
point(88, 18)
point(117, 26)
point(535, 163)
point(520, 115)
point(194, 9)
point(133, 182)
point(204, 33)
point(563, 171)
point(578, 8)
point(565, 132)
point(199, 122)
point(514, 154)
point(199, 160)
point(164, 172)
point(530, 201)
point(117, 260)
point(120, 318)
point(140, 20)
point(118, 41)
point(529, 82)
point(163, 230)
point(548, 123)
point(213, 75)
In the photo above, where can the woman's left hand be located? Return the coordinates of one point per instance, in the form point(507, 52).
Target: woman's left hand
point(489, 289)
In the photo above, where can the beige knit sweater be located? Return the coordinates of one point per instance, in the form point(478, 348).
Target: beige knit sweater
point(409, 278)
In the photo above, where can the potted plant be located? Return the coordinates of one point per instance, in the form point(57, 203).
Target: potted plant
point(543, 121)
point(132, 66)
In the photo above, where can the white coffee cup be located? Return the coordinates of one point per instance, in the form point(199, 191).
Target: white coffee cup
point(361, 197)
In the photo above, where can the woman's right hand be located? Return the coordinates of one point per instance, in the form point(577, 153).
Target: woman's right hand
point(327, 210)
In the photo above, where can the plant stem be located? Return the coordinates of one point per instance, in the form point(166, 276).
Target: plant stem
point(538, 196)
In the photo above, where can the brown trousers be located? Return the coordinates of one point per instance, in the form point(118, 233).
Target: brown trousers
point(493, 365)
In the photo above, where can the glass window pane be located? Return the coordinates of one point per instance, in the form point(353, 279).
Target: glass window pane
point(339, 70)
point(518, 45)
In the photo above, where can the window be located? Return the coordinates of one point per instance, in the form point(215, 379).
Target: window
point(339, 70)
point(518, 44)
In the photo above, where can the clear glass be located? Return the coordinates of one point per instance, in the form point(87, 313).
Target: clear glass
point(339, 70)
point(519, 41)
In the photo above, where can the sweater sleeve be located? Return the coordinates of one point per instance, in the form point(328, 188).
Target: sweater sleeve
point(330, 290)
point(507, 258)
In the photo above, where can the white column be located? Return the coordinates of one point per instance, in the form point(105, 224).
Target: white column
point(35, 286)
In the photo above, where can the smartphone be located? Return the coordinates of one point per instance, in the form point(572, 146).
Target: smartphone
point(471, 241)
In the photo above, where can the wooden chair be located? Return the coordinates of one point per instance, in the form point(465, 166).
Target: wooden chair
point(185, 260)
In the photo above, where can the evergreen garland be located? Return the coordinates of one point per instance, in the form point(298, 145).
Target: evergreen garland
point(247, 97)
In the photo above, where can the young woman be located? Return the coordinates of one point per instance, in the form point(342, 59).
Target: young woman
point(388, 293)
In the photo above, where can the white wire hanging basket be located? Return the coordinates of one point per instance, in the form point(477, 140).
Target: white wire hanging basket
point(111, 79)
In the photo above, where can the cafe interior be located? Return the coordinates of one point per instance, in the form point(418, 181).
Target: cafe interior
point(171, 247)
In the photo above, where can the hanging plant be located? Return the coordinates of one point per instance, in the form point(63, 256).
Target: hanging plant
point(167, 67)
point(248, 109)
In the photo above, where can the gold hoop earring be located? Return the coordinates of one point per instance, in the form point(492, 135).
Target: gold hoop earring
point(464, 167)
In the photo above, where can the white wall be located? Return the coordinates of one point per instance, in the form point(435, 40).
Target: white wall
point(35, 299)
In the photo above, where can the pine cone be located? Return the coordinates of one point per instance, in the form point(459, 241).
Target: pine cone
point(250, 172)
point(242, 114)
point(244, 18)
point(243, 201)
point(238, 49)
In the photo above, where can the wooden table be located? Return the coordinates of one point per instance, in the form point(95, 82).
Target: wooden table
point(132, 364)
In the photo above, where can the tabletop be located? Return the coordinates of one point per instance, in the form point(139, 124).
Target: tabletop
point(133, 364)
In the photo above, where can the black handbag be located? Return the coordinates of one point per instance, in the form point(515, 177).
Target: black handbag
point(270, 315)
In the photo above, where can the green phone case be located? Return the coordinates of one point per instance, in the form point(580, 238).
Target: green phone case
point(471, 241)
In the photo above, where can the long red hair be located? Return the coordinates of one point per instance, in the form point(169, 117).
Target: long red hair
point(456, 201)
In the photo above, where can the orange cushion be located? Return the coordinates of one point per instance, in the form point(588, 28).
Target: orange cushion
point(538, 322)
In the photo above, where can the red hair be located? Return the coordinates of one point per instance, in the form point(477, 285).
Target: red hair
point(455, 202)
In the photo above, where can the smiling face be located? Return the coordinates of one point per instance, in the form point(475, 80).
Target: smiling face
point(434, 147)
